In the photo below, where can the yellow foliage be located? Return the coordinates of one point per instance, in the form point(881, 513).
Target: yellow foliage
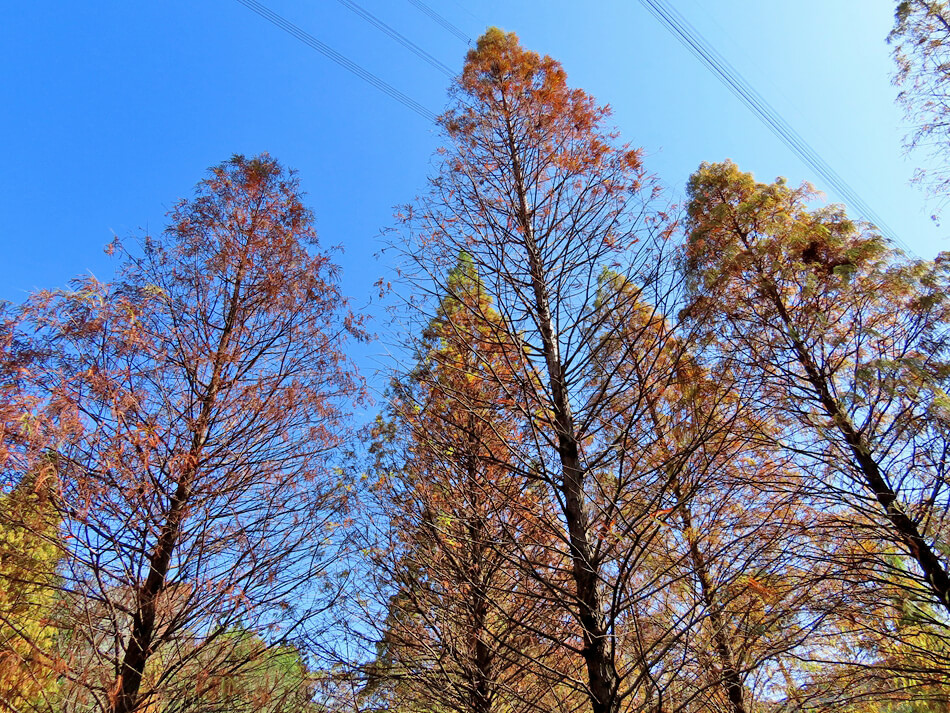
point(29, 553)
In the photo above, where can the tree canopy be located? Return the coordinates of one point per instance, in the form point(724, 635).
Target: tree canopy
point(631, 456)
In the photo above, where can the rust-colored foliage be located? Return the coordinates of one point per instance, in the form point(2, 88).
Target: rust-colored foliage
point(722, 520)
point(541, 196)
point(192, 405)
point(466, 625)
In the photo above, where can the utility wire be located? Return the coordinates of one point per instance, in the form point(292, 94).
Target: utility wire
point(442, 21)
point(311, 41)
point(727, 74)
point(680, 28)
point(401, 39)
point(464, 8)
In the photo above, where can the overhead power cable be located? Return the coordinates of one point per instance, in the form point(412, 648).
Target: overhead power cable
point(442, 21)
point(690, 38)
point(400, 38)
point(311, 41)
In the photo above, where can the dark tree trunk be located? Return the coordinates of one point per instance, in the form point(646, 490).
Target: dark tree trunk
point(141, 638)
point(875, 480)
point(139, 646)
point(482, 680)
point(603, 680)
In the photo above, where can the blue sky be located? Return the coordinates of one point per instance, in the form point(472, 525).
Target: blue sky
point(113, 110)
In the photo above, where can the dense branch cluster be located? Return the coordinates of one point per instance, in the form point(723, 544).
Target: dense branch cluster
point(633, 461)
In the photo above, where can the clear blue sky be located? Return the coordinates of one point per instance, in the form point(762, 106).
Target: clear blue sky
point(113, 110)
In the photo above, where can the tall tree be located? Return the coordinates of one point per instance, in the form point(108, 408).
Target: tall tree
point(849, 345)
point(465, 626)
point(195, 401)
point(540, 194)
point(726, 520)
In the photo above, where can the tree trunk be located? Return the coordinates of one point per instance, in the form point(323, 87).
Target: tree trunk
point(139, 647)
point(481, 693)
point(603, 681)
point(906, 529)
point(731, 680)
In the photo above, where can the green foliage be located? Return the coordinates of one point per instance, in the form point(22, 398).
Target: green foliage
point(240, 673)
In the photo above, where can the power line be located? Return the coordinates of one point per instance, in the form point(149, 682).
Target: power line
point(689, 37)
point(442, 21)
point(311, 41)
point(464, 8)
point(401, 39)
